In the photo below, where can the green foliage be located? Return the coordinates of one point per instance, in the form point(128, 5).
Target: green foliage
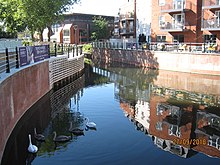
point(36, 15)
point(100, 29)
point(87, 48)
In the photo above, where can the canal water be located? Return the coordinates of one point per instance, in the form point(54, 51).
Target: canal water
point(142, 117)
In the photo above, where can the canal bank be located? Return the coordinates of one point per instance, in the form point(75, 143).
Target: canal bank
point(23, 87)
point(200, 63)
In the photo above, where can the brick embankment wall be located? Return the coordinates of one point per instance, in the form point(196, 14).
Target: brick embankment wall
point(203, 63)
point(20, 90)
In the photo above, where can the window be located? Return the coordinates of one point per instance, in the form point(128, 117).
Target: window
point(178, 38)
point(55, 28)
point(131, 27)
point(161, 39)
point(178, 4)
point(178, 20)
point(161, 2)
point(217, 13)
point(209, 38)
point(162, 21)
point(66, 32)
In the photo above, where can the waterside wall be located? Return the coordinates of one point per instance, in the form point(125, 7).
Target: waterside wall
point(23, 87)
point(201, 63)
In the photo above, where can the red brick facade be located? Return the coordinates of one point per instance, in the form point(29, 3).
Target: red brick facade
point(185, 21)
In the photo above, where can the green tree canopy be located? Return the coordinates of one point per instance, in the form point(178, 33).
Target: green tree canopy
point(36, 15)
point(100, 29)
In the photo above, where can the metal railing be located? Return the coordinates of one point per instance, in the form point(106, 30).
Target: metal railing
point(161, 46)
point(9, 57)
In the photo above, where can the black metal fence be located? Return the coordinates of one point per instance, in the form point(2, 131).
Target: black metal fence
point(9, 57)
point(159, 46)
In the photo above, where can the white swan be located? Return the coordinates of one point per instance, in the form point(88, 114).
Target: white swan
point(32, 148)
point(89, 124)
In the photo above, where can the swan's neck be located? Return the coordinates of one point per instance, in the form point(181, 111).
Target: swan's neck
point(30, 140)
point(71, 125)
point(35, 131)
point(55, 135)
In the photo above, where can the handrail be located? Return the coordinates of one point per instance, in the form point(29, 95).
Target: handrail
point(9, 57)
point(161, 46)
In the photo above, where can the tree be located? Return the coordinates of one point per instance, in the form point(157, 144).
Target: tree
point(36, 15)
point(100, 29)
point(12, 17)
point(42, 14)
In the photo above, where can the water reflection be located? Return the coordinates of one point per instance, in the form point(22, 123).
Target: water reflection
point(183, 122)
point(53, 112)
point(175, 115)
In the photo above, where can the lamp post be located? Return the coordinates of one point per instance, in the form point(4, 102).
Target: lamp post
point(75, 29)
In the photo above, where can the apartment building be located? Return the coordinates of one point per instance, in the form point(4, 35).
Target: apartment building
point(176, 21)
point(76, 28)
point(133, 20)
point(211, 20)
point(189, 21)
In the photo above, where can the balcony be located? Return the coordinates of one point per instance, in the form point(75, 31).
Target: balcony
point(126, 31)
point(172, 27)
point(176, 7)
point(116, 20)
point(124, 17)
point(211, 4)
point(211, 25)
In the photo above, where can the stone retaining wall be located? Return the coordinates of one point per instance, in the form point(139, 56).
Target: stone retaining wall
point(203, 63)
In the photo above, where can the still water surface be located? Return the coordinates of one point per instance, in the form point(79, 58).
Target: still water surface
point(139, 115)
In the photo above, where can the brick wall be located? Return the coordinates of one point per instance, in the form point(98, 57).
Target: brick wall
point(19, 91)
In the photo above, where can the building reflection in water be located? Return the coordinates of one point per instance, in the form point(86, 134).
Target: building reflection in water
point(180, 119)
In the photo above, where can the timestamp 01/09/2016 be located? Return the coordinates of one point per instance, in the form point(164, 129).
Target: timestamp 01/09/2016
point(190, 141)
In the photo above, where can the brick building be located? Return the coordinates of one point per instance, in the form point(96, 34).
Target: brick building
point(176, 21)
point(189, 21)
point(76, 28)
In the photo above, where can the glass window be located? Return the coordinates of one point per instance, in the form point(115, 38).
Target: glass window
point(209, 38)
point(161, 2)
point(217, 13)
point(161, 21)
point(178, 38)
point(161, 38)
point(66, 32)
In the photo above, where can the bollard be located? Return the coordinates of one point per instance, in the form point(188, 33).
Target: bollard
point(73, 51)
point(68, 51)
point(7, 61)
point(48, 48)
point(55, 49)
point(62, 49)
point(77, 51)
point(17, 61)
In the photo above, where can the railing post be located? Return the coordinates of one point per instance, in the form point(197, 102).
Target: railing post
point(48, 47)
point(55, 49)
point(7, 61)
point(17, 61)
point(73, 50)
point(68, 51)
point(62, 49)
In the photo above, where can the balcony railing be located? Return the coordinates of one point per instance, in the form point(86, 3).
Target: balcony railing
point(211, 4)
point(125, 31)
point(176, 6)
point(167, 26)
point(126, 17)
point(213, 24)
